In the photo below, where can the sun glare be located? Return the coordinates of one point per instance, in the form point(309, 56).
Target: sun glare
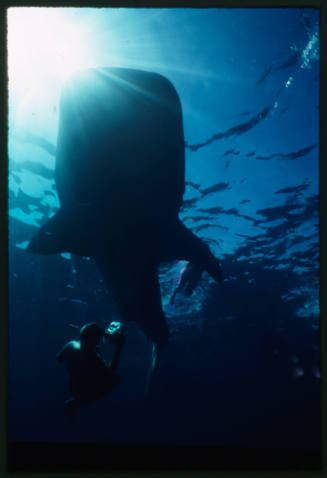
point(43, 44)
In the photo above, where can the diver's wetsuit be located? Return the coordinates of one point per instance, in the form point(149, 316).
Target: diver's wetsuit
point(89, 376)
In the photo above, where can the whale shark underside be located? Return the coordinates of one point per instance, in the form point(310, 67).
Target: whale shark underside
point(120, 170)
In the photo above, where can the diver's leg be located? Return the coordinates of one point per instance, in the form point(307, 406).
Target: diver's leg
point(172, 299)
point(193, 280)
point(183, 284)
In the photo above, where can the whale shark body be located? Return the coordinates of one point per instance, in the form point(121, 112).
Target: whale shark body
point(120, 170)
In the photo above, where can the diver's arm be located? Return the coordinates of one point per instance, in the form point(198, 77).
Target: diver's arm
point(101, 362)
point(115, 359)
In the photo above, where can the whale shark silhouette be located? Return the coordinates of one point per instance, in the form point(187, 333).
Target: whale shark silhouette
point(120, 168)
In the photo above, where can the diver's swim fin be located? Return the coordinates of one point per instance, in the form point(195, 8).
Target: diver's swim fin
point(156, 351)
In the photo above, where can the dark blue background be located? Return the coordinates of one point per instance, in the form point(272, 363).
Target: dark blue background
point(242, 366)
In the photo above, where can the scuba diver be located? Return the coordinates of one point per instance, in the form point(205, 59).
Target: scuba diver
point(90, 377)
point(188, 280)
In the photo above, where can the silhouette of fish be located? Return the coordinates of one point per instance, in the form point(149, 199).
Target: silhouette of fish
point(239, 129)
point(120, 165)
point(193, 185)
point(215, 188)
point(43, 143)
point(34, 167)
point(226, 153)
point(289, 156)
point(291, 61)
point(266, 73)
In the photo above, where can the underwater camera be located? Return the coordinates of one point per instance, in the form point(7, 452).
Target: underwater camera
point(114, 333)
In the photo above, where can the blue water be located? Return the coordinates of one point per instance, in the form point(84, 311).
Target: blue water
point(242, 365)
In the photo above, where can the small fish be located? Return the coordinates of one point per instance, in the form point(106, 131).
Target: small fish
point(298, 372)
point(264, 76)
point(78, 301)
point(316, 372)
point(229, 151)
point(222, 186)
point(290, 62)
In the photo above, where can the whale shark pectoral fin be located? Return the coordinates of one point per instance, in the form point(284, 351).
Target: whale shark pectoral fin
point(64, 232)
point(49, 239)
point(156, 352)
point(183, 244)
